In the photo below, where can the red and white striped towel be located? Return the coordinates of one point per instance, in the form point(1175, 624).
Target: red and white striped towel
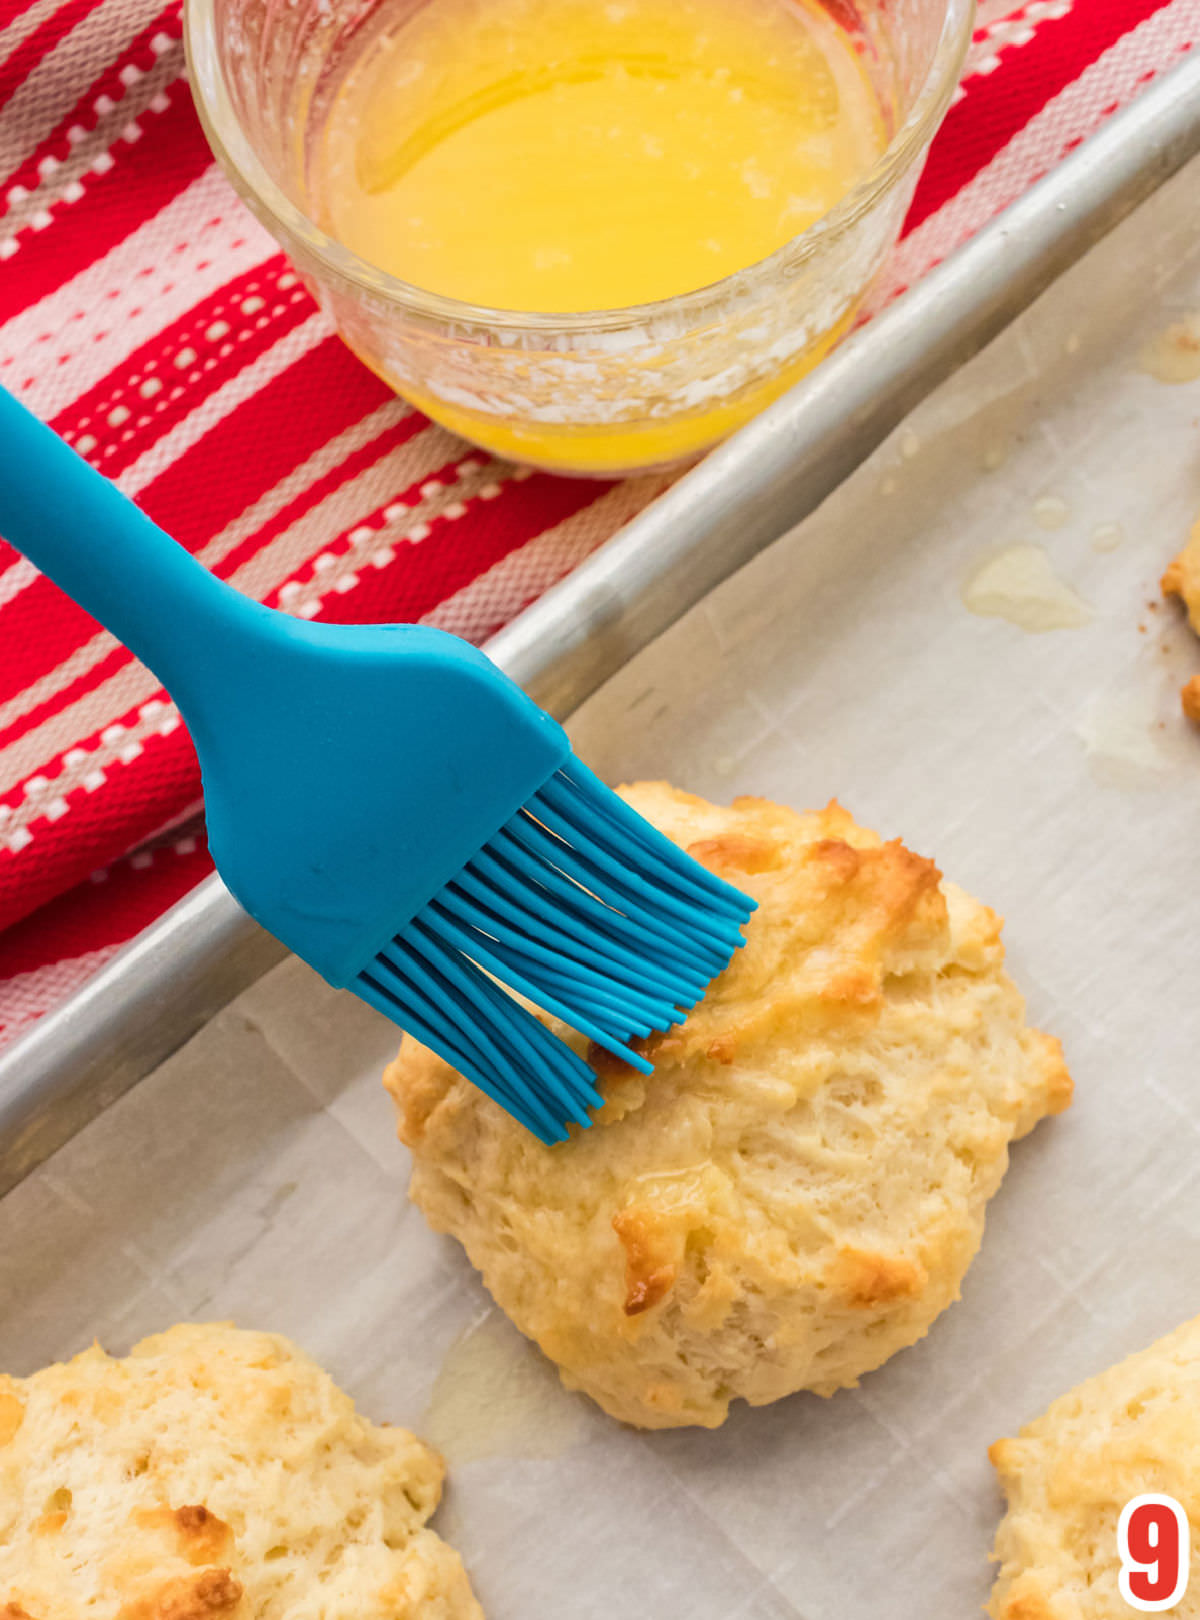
point(153, 323)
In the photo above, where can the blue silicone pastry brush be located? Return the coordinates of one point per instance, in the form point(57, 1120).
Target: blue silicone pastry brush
point(394, 808)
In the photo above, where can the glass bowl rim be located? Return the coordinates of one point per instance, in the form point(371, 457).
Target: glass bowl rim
point(288, 223)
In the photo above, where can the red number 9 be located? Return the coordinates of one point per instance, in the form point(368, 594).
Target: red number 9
point(1152, 1539)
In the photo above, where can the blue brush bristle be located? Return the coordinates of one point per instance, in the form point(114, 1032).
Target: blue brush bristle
point(582, 908)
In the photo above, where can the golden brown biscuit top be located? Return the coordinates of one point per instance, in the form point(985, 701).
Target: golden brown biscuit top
point(800, 1183)
point(840, 912)
point(213, 1473)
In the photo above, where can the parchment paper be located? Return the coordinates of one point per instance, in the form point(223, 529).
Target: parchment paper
point(256, 1175)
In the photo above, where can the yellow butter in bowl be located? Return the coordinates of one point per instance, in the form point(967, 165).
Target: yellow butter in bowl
point(566, 155)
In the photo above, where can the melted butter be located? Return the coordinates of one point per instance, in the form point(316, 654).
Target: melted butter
point(1019, 584)
point(1125, 742)
point(1051, 512)
point(496, 1395)
point(1173, 355)
point(1107, 537)
point(559, 155)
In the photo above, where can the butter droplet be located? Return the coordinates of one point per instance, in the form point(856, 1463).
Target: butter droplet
point(1107, 536)
point(497, 1395)
point(1051, 512)
point(1019, 584)
point(994, 456)
point(1123, 745)
point(1173, 355)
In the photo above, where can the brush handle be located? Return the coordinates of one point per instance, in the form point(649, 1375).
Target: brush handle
point(107, 555)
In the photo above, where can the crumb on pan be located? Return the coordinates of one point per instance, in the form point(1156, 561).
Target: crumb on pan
point(1182, 580)
point(1066, 1477)
point(213, 1474)
point(797, 1190)
point(1190, 698)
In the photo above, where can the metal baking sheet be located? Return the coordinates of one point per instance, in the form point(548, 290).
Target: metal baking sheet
point(153, 996)
point(255, 1174)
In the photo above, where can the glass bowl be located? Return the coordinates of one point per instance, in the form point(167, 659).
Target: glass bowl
point(603, 392)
